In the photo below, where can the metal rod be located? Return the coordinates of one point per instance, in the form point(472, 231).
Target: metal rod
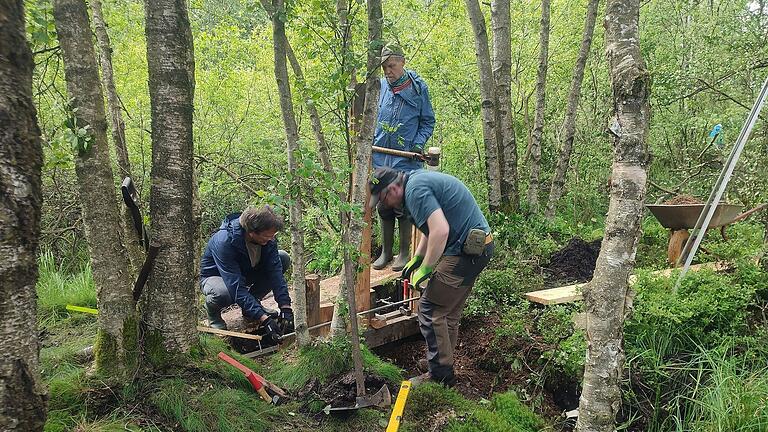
point(321, 325)
point(725, 175)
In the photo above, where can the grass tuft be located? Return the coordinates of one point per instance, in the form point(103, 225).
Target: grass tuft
point(56, 289)
point(209, 408)
point(323, 360)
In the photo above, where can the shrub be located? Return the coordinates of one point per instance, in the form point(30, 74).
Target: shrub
point(706, 306)
point(506, 414)
point(497, 290)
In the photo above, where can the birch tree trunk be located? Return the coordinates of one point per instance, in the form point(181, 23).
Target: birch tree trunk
point(317, 128)
point(339, 319)
point(607, 299)
point(295, 188)
point(116, 347)
point(488, 104)
point(169, 312)
point(502, 69)
point(538, 122)
point(362, 167)
point(569, 123)
point(135, 253)
point(113, 101)
point(23, 395)
point(353, 226)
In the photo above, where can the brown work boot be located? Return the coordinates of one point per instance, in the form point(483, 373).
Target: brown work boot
point(420, 379)
point(449, 381)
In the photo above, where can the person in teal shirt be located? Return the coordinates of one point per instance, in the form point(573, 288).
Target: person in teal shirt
point(456, 246)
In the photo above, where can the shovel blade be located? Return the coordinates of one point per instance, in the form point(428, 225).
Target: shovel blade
point(381, 399)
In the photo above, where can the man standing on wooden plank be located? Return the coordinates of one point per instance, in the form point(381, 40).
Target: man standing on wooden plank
point(242, 264)
point(405, 122)
point(457, 245)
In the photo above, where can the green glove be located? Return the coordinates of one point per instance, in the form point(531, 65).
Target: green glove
point(421, 275)
point(412, 265)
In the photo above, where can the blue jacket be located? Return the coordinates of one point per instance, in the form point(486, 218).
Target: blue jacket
point(226, 256)
point(405, 122)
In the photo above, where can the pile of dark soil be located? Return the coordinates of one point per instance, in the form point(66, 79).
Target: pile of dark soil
point(340, 391)
point(683, 199)
point(480, 371)
point(573, 263)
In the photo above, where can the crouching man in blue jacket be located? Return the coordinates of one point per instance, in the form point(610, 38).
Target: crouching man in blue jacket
point(241, 264)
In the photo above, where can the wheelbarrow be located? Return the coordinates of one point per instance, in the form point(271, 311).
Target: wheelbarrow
point(680, 218)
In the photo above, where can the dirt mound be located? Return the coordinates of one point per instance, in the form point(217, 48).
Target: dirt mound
point(341, 391)
point(480, 371)
point(573, 263)
point(683, 199)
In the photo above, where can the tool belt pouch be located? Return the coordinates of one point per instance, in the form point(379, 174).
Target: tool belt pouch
point(474, 245)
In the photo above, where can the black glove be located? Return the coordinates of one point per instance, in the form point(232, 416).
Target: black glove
point(286, 319)
point(272, 333)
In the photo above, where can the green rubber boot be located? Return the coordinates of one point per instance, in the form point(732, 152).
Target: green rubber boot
point(214, 317)
point(387, 241)
point(405, 244)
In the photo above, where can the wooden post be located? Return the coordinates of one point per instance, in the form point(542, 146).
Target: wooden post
point(312, 282)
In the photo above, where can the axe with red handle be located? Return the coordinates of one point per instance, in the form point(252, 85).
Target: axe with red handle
point(267, 391)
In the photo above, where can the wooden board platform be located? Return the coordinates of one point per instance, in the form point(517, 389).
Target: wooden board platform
point(329, 288)
point(569, 293)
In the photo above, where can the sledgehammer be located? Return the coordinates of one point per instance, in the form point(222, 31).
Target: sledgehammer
point(431, 157)
point(268, 391)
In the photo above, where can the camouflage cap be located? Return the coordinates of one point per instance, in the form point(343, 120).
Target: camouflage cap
point(391, 50)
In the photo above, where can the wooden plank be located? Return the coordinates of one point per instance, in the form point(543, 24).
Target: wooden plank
point(228, 333)
point(377, 322)
point(329, 288)
point(569, 293)
point(396, 329)
point(312, 282)
point(326, 314)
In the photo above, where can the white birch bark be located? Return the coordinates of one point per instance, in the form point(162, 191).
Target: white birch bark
point(569, 123)
point(169, 310)
point(295, 189)
point(116, 345)
point(117, 126)
point(352, 232)
point(323, 151)
point(23, 395)
point(607, 298)
point(502, 70)
point(538, 122)
point(488, 104)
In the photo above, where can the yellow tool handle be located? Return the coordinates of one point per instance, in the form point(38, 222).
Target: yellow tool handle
point(82, 309)
point(397, 411)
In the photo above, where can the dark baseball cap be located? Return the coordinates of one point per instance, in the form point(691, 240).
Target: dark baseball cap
point(380, 179)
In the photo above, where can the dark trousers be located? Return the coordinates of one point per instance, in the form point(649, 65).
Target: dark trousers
point(441, 305)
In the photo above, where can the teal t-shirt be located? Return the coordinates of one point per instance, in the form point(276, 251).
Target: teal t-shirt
point(427, 191)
